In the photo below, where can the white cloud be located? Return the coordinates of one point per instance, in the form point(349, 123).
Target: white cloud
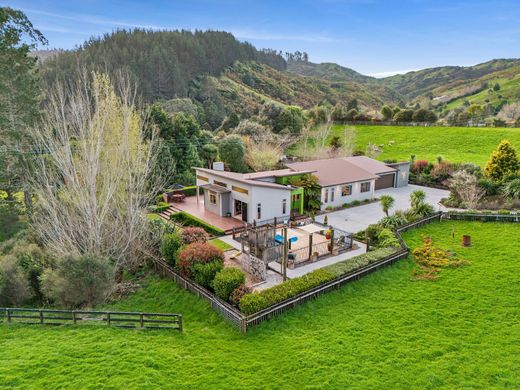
point(390, 73)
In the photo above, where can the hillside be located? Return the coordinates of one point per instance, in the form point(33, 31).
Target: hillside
point(163, 63)
point(327, 71)
point(422, 82)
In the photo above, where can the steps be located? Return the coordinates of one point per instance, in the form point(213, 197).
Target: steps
point(169, 211)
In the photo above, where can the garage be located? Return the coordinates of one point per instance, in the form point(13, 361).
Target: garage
point(385, 181)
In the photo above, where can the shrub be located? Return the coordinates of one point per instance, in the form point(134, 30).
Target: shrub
point(387, 239)
point(419, 166)
point(393, 221)
point(254, 302)
point(237, 294)
point(197, 253)
point(194, 234)
point(511, 189)
point(204, 273)
point(76, 281)
point(189, 220)
point(442, 171)
point(355, 263)
point(14, 286)
point(489, 186)
point(161, 207)
point(170, 246)
point(226, 281)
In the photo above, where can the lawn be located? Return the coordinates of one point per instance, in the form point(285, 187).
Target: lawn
point(456, 144)
point(383, 331)
point(220, 244)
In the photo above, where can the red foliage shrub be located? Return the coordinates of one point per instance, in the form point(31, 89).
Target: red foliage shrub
point(442, 171)
point(419, 166)
point(194, 234)
point(237, 294)
point(196, 253)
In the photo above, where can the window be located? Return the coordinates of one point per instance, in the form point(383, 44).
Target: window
point(259, 211)
point(332, 191)
point(346, 190)
point(365, 187)
point(284, 206)
point(326, 195)
point(219, 183)
point(212, 198)
point(203, 178)
point(239, 189)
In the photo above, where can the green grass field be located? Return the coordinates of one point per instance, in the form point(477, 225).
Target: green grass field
point(383, 331)
point(456, 144)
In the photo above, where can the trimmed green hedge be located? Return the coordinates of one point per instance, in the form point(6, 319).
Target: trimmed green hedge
point(189, 220)
point(188, 190)
point(254, 302)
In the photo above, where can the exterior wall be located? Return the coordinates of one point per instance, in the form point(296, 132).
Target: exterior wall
point(403, 172)
point(214, 208)
point(340, 200)
point(271, 200)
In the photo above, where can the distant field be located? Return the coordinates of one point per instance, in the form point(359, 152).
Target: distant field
point(384, 331)
point(457, 144)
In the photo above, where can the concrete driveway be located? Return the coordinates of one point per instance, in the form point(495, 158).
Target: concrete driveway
point(358, 218)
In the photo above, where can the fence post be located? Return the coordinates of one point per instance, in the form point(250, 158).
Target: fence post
point(74, 321)
point(234, 233)
point(108, 318)
point(285, 253)
point(310, 246)
point(41, 317)
point(8, 314)
point(331, 240)
point(180, 323)
point(142, 320)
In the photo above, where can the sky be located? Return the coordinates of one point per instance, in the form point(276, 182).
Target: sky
point(374, 37)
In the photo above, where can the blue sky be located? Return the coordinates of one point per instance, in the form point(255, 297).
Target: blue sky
point(371, 36)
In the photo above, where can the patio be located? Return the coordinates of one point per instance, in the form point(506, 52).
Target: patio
point(191, 206)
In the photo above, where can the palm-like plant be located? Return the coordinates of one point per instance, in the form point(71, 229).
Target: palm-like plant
point(511, 190)
point(386, 203)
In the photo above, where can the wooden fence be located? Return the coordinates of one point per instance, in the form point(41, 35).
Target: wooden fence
point(482, 217)
point(117, 319)
point(243, 323)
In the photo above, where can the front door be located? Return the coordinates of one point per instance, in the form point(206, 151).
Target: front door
point(244, 212)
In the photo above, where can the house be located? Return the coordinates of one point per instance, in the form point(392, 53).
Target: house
point(346, 179)
point(251, 197)
point(262, 196)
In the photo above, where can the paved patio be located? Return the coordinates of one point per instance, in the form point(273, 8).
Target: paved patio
point(191, 206)
point(358, 218)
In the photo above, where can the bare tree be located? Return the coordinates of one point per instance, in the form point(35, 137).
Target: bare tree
point(95, 175)
point(510, 112)
point(465, 185)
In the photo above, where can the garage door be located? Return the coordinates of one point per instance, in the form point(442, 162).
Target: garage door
point(385, 181)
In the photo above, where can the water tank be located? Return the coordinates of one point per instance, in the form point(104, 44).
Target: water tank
point(218, 166)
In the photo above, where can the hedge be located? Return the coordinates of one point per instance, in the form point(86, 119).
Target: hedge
point(188, 190)
point(189, 220)
point(226, 281)
point(254, 302)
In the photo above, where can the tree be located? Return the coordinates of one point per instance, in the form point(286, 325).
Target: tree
point(311, 190)
point(387, 113)
point(19, 95)
point(263, 155)
point(465, 186)
point(291, 119)
point(209, 153)
point(352, 105)
point(232, 151)
point(475, 111)
point(97, 176)
point(502, 163)
point(404, 116)
point(424, 115)
point(387, 202)
point(496, 87)
point(509, 113)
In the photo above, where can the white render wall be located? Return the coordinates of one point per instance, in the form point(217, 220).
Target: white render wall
point(270, 199)
point(341, 200)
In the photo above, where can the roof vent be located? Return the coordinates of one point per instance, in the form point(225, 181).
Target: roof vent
point(218, 166)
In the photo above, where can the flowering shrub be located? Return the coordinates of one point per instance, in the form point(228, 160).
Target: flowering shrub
point(442, 171)
point(197, 253)
point(194, 234)
point(431, 259)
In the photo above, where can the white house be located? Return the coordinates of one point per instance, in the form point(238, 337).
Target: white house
point(346, 179)
point(262, 196)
